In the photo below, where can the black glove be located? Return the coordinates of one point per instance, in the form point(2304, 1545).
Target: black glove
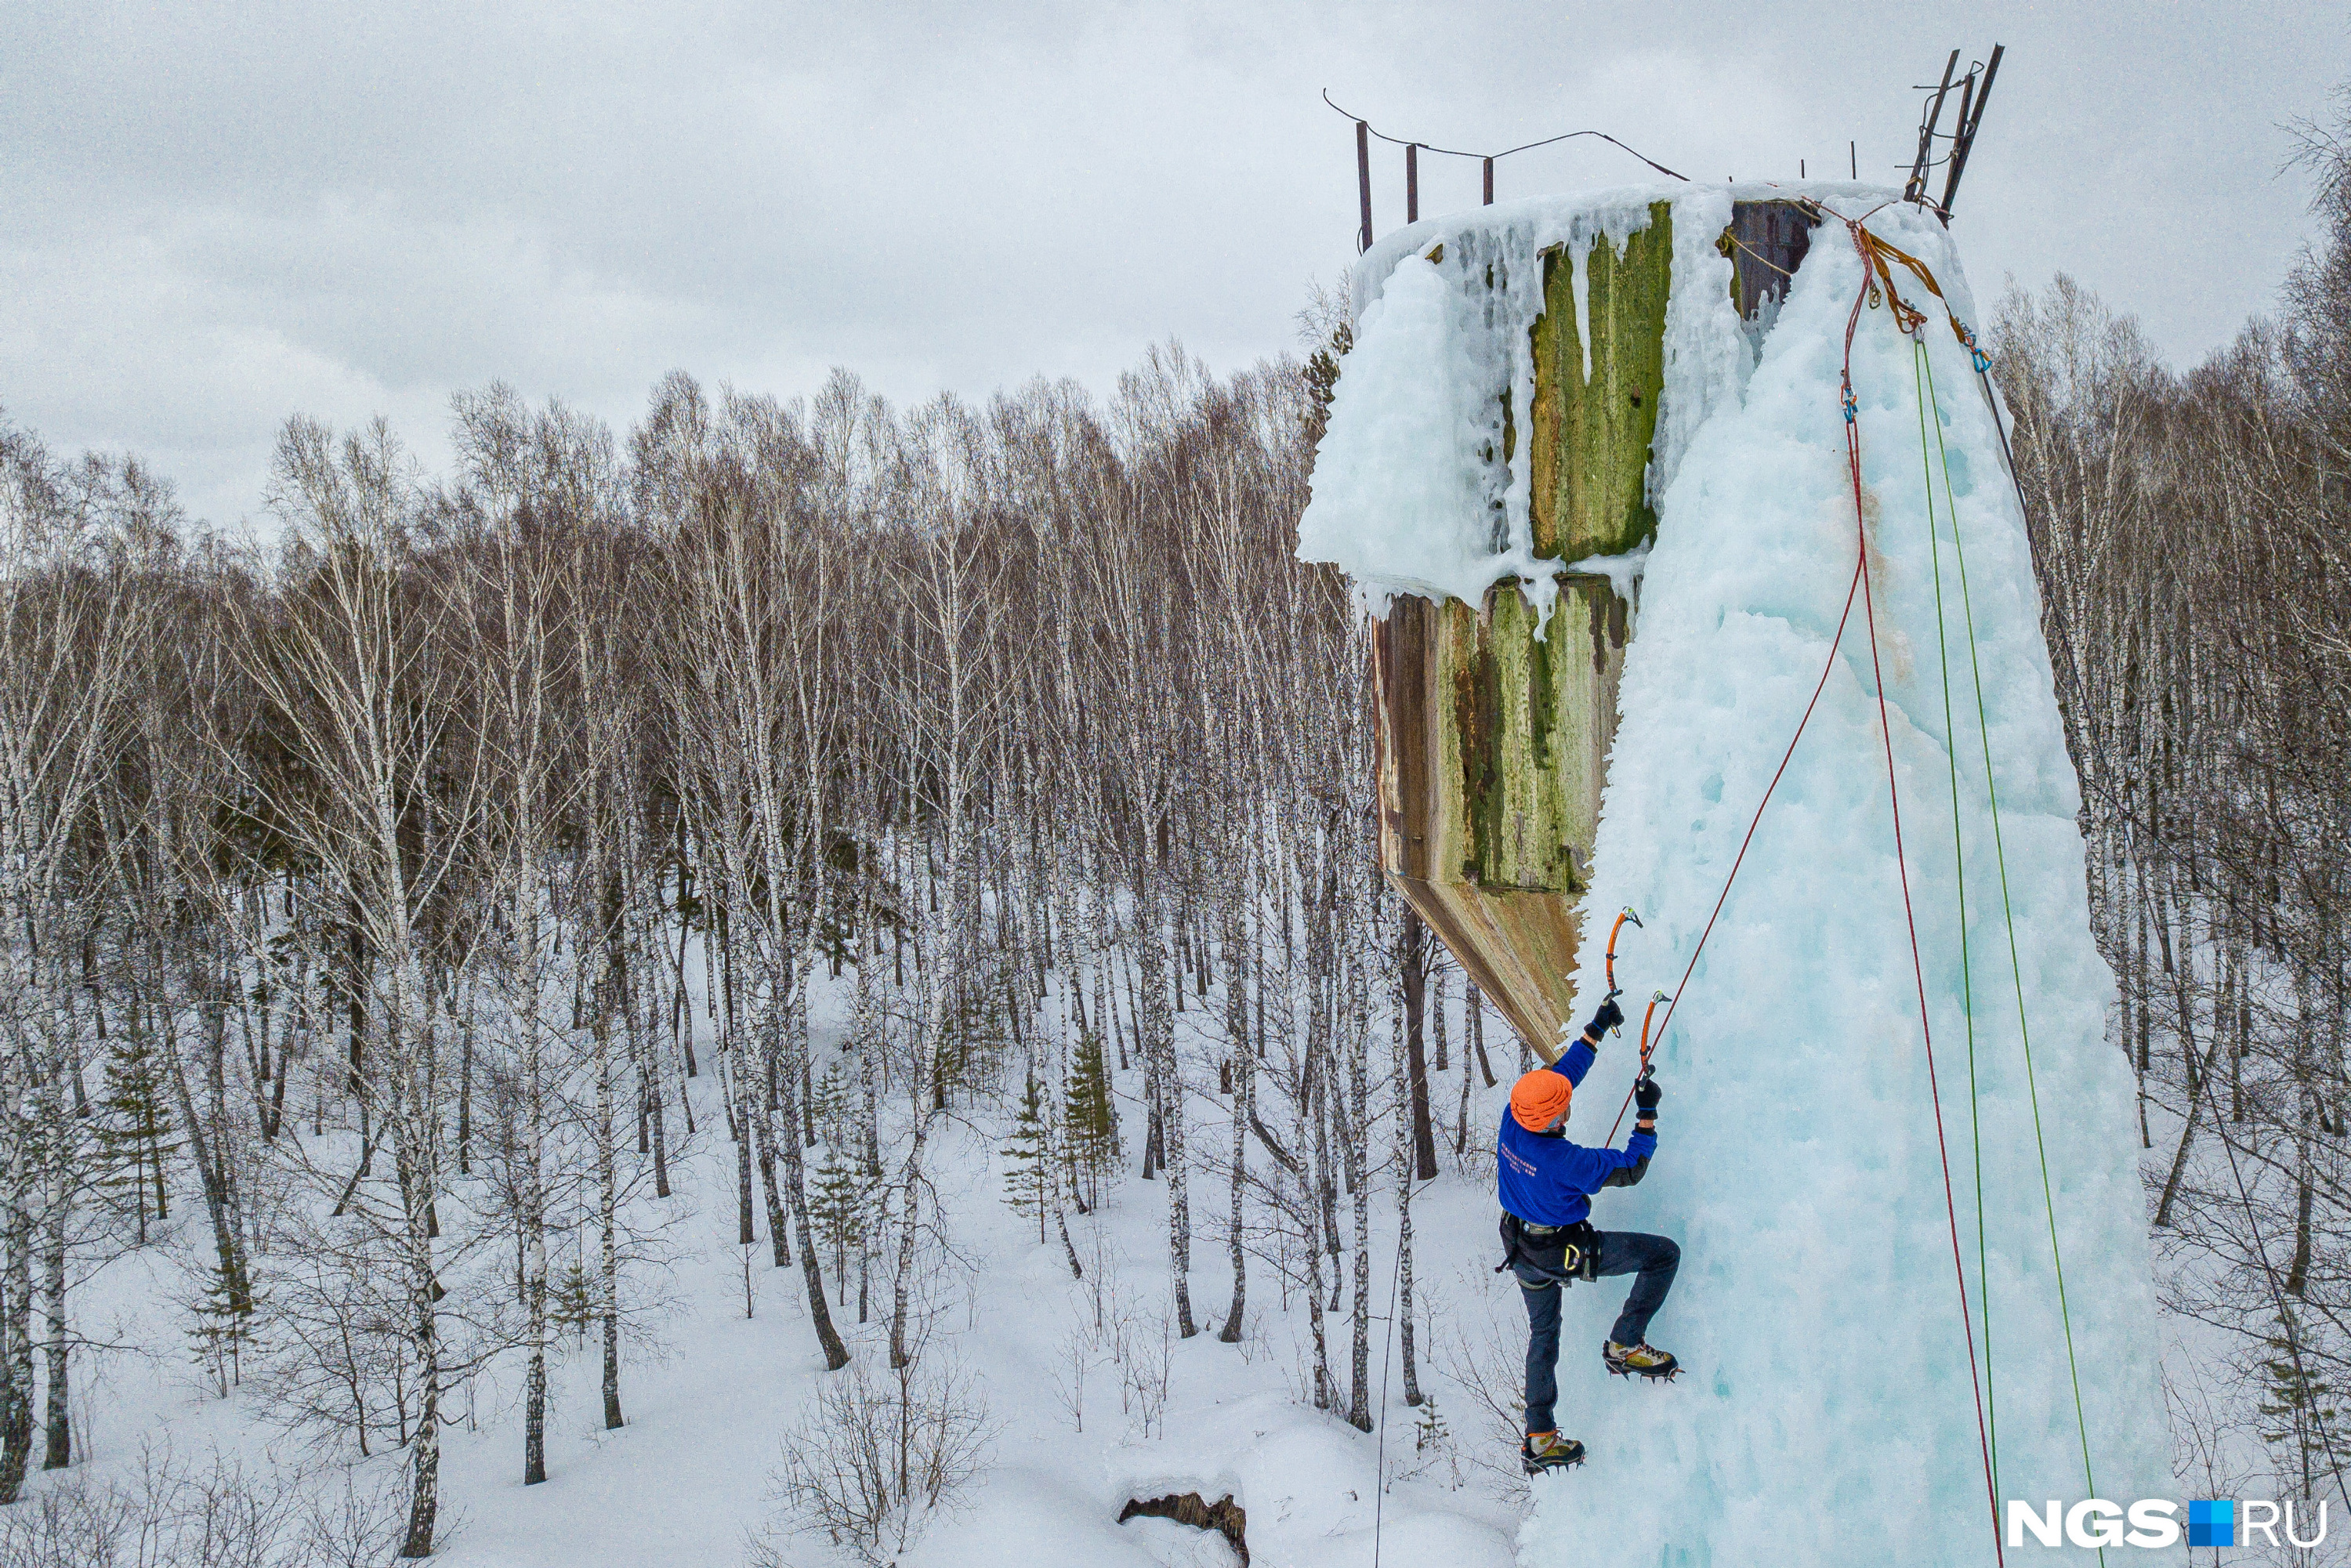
point(1609, 1016)
point(1646, 1094)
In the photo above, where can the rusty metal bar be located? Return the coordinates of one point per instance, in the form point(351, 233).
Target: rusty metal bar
point(1363, 179)
point(1490, 182)
point(1917, 185)
point(1968, 123)
point(1412, 183)
point(1959, 136)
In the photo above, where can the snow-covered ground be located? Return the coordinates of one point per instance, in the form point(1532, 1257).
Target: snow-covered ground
point(710, 1394)
point(710, 1400)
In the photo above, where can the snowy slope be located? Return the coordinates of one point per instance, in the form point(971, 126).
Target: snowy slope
point(711, 1395)
point(1828, 1408)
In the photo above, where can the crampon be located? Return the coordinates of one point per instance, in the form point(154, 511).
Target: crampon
point(1642, 1360)
point(1554, 1453)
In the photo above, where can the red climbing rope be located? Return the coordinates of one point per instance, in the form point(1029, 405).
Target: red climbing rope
point(1877, 281)
point(1827, 668)
point(1862, 243)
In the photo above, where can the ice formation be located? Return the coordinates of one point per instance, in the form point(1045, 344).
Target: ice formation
point(1412, 489)
point(1827, 1416)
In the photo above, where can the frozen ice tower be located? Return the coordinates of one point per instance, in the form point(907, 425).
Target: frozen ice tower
point(1588, 461)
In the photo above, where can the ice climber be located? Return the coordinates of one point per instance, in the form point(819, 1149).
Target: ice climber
point(1549, 1242)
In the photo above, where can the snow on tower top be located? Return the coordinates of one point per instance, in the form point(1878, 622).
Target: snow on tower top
point(1426, 481)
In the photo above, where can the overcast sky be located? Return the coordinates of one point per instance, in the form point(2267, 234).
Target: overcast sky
point(214, 216)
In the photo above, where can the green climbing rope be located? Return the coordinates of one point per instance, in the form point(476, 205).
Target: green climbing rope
point(1960, 863)
point(2008, 912)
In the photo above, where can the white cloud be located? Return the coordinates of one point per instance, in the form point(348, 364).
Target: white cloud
point(217, 218)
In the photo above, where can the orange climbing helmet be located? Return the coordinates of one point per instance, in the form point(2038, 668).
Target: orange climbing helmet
point(1539, 1097)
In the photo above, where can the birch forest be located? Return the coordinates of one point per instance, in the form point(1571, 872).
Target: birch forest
point(2189, 533)
point(394, 902)
point(354, 883)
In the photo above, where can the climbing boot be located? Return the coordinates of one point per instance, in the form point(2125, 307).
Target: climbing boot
point(1648, 1359)
point(1545, 1451)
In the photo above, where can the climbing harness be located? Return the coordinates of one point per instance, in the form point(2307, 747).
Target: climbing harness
point(1561, 1254)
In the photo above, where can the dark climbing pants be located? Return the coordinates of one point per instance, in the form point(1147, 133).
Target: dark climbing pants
point(1653, 1257)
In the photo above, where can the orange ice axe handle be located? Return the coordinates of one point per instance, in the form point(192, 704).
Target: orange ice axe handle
point(1646, 1044)
point(1615, 990)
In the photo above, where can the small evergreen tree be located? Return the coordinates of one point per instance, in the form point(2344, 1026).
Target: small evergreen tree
point(1432, 1441)
point(1088, 1123)
point(573, 1301)
point(835, 1094)
point(2297, 1408)
point(1029, 1177)
point(223, 1328)
point(134, 1129)
point(1429, 1431)
point(840, 1199)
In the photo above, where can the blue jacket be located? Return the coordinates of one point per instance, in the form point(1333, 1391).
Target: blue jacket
point(1547, 1180)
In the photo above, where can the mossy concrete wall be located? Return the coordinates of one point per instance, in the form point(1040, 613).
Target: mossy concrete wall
point(1492, 748)
point(1590, 452)
point(1494, 742)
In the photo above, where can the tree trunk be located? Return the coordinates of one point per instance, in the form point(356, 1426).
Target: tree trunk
point(464, 1103)
point(909, 1191)
point(210, 1177)
point(828, 1338)
point(1325, 1392)
point(424, 1470)
point(529, 918)
point(412, 1121)
point(1403, 1292)
point(1417, 948)
point(1243, 1108)
point(2179, 1157)
point(1159, 1037)
point(16, 1315)
point(1438, 1063)
point(650, 1079)
point(1474, 1012)
point(59, 1450)
point(778, 1226)
point(607, 1193)
point(1358, 1140)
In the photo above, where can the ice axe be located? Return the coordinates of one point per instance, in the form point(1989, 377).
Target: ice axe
point(1647, 1045)
point(1646, 1016)
point(1615, 990)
